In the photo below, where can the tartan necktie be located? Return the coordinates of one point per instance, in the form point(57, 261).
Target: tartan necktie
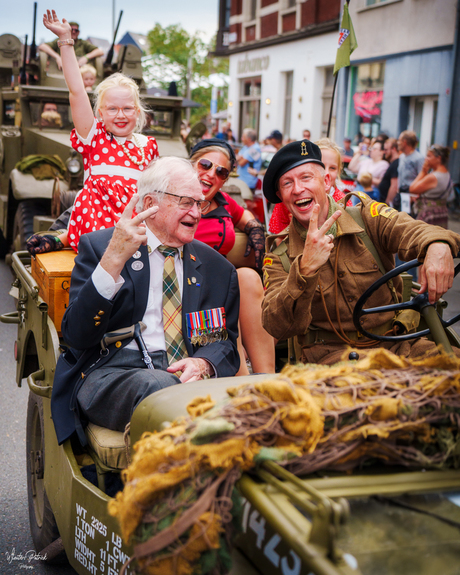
point(172, 308)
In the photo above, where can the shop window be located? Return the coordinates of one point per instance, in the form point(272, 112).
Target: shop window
point(289, 79)
point(366, 104)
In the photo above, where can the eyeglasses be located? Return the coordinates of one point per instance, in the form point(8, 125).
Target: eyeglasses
point(187, 203)
point(128, 111)
point(206, 165)
point(75, 30)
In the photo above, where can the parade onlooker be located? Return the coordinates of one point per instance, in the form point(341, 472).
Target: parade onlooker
point(249, 157)
point(275, 139)
point(375, 165)
point(306, 135)
point(433, 186)
point(410, 163)
point(348, 152)
point(84, 50)
point(365, 180)
point(388, 187)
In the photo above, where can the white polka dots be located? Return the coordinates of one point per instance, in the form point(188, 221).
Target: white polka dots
point(103, 198)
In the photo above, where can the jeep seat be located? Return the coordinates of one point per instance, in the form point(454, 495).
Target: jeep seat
point(108, 450)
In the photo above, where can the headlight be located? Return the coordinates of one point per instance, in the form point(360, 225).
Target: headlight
point(72, 163)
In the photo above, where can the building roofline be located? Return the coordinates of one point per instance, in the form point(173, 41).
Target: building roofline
point(313, 30)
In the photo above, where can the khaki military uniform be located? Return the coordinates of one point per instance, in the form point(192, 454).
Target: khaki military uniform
point(81, 47)
point(295, 305)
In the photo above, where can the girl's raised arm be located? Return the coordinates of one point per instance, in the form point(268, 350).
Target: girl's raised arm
point(80, 105)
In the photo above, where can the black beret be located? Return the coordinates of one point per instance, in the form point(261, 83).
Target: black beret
point(215, 142)
point(289, 157)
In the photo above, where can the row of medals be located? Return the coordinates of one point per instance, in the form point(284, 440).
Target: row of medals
point(206, 336)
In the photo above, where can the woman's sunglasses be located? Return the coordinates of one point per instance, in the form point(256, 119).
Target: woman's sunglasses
point(206, 165)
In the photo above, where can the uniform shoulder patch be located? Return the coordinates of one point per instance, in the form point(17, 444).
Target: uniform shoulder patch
point(388, 212)
point(375, 208)
point(268, 261)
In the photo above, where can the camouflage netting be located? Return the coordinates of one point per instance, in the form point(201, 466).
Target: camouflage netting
point(176, 506)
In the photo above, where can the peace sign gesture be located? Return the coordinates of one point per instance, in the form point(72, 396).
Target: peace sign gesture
point(129, 234)
point(318, 245)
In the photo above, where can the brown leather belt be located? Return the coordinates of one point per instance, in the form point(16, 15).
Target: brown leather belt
point(320, 336)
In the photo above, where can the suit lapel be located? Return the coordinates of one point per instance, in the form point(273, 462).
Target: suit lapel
point(141, 280)
point(191, 294)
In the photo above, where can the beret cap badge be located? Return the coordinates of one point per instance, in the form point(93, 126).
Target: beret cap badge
point(303, 149)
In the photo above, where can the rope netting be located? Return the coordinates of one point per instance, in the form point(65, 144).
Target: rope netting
point(178, 501)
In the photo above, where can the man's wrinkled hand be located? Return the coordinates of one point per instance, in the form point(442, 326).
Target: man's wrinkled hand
point(192, 368)
point(129, 234)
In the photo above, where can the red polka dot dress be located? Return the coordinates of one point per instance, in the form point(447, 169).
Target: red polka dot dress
point(112, 167)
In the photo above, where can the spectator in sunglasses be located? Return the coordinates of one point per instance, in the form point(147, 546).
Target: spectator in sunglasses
point(84, 50)
point(214, 159)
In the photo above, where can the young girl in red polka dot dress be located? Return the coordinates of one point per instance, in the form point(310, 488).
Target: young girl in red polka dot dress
point(113, 154)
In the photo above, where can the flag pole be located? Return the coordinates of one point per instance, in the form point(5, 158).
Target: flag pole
point(332, 105)
point(336, 75)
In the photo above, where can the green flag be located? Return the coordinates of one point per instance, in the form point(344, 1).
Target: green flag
point(347, 41)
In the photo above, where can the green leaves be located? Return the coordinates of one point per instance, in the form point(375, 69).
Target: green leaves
point(170, 49)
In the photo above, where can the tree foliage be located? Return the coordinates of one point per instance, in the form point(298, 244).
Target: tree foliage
point(169, 51)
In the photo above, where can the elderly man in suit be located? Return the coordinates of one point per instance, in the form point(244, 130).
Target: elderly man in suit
point(149, 269)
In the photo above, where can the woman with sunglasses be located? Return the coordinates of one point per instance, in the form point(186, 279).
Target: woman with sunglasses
point(433, 186)
point(214, 159)
point(113, 154)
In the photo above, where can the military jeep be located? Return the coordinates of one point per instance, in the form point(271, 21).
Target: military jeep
point(379, 520)
point(35, 119)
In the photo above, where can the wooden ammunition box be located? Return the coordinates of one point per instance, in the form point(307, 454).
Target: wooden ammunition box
point(52, 273)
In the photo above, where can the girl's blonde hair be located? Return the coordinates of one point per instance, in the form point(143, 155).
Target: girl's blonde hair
point(88, 68)
point(119, 80)
point(328, 144)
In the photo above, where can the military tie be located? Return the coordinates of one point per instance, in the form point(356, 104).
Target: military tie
point(172, 308)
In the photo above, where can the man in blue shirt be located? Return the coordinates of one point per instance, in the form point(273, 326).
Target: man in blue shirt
point(249, 156)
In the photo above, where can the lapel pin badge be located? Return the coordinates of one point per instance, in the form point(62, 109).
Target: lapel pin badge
point(137, 266)
point(137, 255)
point(192, 257)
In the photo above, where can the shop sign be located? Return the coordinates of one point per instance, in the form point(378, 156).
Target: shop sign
point(253, 65)
point(368, 104)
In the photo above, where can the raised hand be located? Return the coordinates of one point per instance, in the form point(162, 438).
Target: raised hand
point(129, 234)
point(52, 22)
point(318, 244)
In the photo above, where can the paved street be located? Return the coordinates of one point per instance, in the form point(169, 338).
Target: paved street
point(14, 521)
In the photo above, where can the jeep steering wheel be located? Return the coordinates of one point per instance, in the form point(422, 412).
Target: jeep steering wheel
point(418, 303)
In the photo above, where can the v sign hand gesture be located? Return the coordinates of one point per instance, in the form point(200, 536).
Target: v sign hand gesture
point(318, 245)
point(128, 235)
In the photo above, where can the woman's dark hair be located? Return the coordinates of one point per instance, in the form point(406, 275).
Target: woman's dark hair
point(442, 152)
point(213, 143)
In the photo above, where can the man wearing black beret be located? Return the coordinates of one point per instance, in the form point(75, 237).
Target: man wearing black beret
point(314, 274)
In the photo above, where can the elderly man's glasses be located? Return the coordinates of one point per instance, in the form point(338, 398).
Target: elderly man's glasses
point(186, 202)
point(206, 165)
